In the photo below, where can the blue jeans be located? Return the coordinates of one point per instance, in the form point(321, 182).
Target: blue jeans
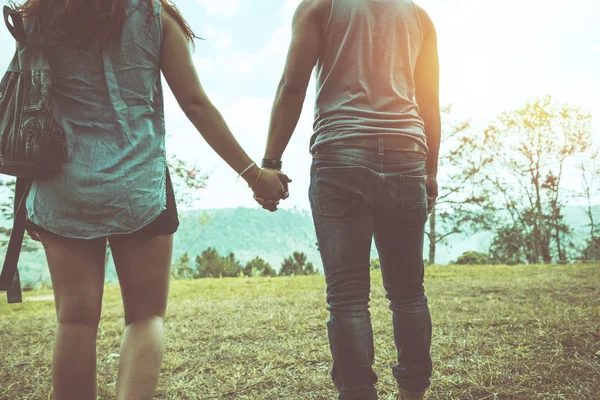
point(355, 194)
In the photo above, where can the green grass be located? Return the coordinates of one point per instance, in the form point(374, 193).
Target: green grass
point(527, 332)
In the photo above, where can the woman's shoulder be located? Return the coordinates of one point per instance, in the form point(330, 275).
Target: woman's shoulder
point(148, 7)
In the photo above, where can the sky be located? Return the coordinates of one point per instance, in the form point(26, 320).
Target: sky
point(495, 56)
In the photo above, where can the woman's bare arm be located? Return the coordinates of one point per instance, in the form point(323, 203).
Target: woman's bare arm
point(180, 73)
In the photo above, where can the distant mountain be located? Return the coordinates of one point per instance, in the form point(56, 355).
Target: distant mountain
point(249, 233)
point(273, 236)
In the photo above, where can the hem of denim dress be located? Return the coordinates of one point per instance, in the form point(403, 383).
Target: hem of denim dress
point(142, 226)
point(68, 236)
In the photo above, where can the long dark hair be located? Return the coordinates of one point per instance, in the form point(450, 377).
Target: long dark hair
point(89, 22)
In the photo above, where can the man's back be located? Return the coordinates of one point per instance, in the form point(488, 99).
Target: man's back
point(365, 72)
point(370, 176)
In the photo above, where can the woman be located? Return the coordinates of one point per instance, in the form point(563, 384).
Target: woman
point(106, 58)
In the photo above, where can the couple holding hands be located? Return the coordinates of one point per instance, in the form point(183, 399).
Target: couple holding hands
point(375, 154)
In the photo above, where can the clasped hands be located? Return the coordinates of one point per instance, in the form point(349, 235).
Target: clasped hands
point(270, 188)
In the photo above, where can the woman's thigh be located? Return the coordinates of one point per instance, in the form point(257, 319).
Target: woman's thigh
point(77, 269)
point(143, 267)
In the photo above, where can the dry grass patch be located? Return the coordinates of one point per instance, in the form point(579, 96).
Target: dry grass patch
point(526, 332)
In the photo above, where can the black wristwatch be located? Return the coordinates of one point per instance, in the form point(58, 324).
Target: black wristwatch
point(271, 163)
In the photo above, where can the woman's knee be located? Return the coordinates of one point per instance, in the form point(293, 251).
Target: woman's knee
point(150, 320)
point(80, 313)
point(145, 312)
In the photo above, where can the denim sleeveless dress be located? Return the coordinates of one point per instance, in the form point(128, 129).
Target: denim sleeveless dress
point(110, 104)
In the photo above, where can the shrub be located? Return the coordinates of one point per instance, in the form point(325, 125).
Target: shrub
point(296, 265)
point(182, 268)
point(375, 264)
point(211, 265)
point(258, 267)
point(591, 251)
point(473, 258)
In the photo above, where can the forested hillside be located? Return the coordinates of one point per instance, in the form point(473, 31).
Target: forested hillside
point(249, 233)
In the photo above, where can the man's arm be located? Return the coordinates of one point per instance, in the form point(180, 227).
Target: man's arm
point(427, 81)
point(302, 56)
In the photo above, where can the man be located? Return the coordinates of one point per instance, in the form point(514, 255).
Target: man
point(375, 148)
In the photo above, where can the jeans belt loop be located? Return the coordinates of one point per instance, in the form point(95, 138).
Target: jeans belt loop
point(380, 145)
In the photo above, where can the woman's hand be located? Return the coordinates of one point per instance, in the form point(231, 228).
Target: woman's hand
point(270, 187)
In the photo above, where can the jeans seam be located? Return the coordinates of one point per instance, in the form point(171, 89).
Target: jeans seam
point(382, 189)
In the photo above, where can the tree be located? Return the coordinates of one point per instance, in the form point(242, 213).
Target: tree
point(510, 247)
point(210, 265)
point(188, 179)
point(296, 265)
point(200, 222)
point(230, 267)
point(375, 264)
point(463, 202)
point(530, 148)
point(473, 258)
point(592, 250)
point(259, 267)
point(182, 268)
point(590, 177)
point(7, 194)
point(309, 269)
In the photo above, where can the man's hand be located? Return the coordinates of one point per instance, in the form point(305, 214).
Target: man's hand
point(432, 191)
point(271, 203)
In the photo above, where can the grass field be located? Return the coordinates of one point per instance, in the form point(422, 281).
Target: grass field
point(527, 332)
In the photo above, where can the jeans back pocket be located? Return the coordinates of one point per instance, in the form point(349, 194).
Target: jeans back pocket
point(338, 189)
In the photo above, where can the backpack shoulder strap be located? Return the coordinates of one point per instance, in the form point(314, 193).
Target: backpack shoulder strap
point(17, 29)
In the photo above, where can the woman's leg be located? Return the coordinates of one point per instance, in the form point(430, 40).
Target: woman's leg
point(77, 271)
point(143, 268)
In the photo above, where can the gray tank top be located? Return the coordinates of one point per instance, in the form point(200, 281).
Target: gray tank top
point(110, 104)
point(365, 83)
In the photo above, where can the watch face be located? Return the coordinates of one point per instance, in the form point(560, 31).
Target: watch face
point(276, 164)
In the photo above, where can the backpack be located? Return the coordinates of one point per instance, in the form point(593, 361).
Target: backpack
point(32, 145)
